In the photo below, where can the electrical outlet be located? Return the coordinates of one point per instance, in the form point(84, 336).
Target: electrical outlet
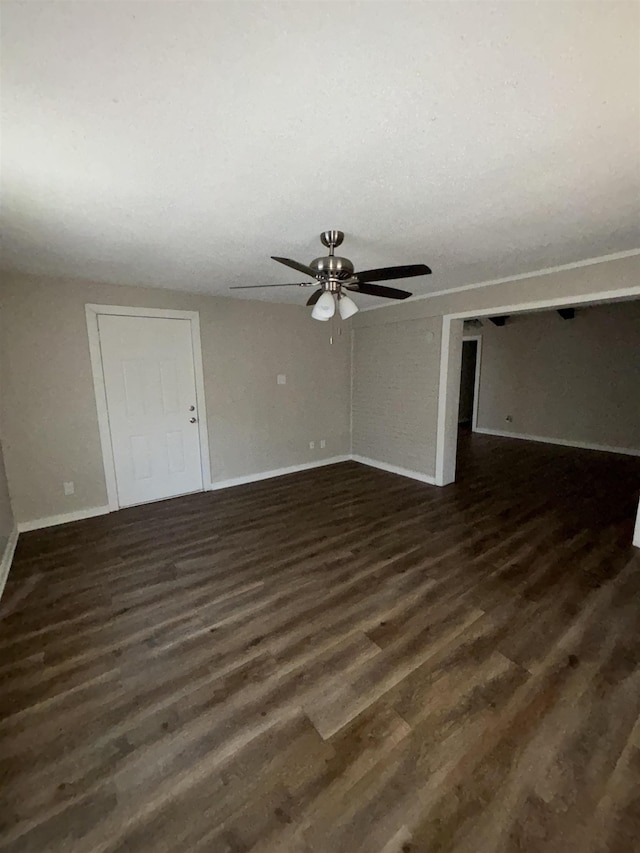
point(69, 488)
point(323, 443)
point(282, 379)
point(312, 445)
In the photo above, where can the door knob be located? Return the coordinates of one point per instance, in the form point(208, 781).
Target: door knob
point(192, 420)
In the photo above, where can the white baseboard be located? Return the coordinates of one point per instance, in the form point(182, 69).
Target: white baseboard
point(277, 472)
point(64, 518)
point(582, 445)
point(24, 526)
point(394, 469)
point(92, 512)
point(7, 558)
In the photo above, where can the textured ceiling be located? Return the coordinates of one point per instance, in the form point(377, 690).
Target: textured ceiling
point(180, 144)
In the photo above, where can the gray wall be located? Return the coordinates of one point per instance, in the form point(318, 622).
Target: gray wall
point(416, 420)
point(395, 392)
point(574, 380)
point(6, 513)
point(50, 420)
point(47, 400)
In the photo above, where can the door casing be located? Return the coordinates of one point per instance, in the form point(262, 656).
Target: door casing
point(92, 314)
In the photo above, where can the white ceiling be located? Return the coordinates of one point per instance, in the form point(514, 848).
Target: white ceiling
point(180, 144)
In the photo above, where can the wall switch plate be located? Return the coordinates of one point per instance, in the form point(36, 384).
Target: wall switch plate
point(312, 444)
point(282, 379)
point(323, 443)
point(69, 488)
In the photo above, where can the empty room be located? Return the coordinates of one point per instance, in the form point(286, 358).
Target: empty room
point(320, 427)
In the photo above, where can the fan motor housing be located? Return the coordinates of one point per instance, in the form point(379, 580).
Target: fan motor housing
point(332, 266)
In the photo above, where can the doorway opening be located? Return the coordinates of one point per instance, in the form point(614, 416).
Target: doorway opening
point(469, 383)
point(451, 350)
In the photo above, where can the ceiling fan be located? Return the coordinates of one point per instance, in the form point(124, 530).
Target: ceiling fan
point(335, 275)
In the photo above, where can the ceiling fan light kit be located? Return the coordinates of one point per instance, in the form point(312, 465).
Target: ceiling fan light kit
point(335, 275)
point(325, 307)
point(347, 307)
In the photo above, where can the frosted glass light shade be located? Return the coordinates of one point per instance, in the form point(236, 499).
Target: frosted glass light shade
point(347, 307)
point(324, 308)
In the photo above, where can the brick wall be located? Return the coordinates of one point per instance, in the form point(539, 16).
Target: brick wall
point(395, 393)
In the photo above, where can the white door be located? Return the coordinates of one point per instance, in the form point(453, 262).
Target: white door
point(151, 400)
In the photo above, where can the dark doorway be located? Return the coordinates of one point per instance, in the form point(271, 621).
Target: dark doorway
point(467, 383)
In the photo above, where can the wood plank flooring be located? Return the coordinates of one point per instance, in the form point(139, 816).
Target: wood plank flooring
point(337, 660)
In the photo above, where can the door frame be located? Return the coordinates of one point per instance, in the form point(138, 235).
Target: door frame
point(92, 313)
point(451, 357)
point(476, 381)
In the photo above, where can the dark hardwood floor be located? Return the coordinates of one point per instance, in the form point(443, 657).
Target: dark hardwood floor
point(338, 660)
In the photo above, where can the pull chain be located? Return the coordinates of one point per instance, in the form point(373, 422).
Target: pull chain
point(336, 330)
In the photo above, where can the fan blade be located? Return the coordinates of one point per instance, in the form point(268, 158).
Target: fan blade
point(376, 290)
point(250, 286)
point(295, 265)
point(388, 273)
point(314, 297)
